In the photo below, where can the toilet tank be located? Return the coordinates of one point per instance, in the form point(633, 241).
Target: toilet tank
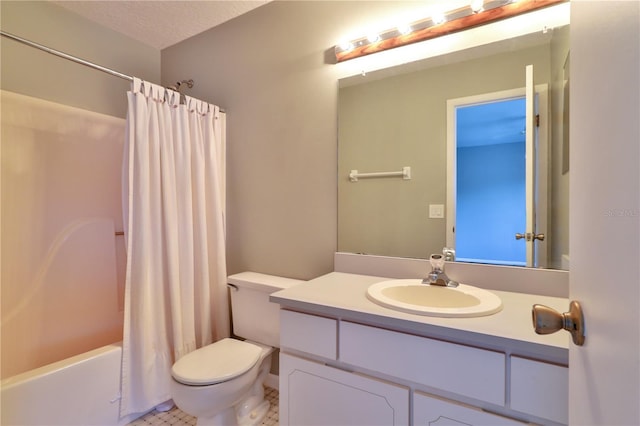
point(254, 317)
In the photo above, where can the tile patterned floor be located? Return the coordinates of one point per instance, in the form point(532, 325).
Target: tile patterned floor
point(175, 417)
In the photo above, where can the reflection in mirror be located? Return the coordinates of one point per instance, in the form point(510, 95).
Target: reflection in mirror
point(487, 179)
point(392, 119)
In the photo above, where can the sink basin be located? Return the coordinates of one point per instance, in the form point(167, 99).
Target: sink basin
point(414, 297)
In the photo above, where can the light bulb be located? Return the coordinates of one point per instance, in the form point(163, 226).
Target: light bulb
point(438, 18)
point(404, 29)
point(346, 46)
point(477, 6)
point(373, 38)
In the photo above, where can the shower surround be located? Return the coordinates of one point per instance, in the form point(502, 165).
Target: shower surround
point(63, 264)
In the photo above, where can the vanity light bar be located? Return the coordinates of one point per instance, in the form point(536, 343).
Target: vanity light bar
point(477, 13)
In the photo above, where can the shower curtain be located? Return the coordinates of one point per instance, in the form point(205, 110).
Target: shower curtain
point(173, 211)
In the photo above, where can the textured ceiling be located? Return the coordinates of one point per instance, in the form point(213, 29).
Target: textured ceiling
point(160, 24)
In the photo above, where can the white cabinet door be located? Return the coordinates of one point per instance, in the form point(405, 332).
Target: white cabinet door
point(433, 411)
point(314, 394)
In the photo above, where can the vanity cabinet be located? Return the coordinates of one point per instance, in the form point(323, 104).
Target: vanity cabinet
point(335, 371)
point(431, 410)
point(309, 333)
point(540, 389)
point(316, 394)
point(464, 370)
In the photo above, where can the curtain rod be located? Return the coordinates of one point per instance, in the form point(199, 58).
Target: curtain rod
point(65, 56)
point(71, 57)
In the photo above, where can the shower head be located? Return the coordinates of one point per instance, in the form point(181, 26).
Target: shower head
point(176, 87)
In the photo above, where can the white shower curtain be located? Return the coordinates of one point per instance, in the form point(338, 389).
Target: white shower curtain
point(173, 205)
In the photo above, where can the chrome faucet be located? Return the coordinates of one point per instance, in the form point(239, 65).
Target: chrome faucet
point(449, 254)
point(437, 275)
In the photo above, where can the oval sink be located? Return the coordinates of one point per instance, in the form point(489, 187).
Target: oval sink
point(412, 296)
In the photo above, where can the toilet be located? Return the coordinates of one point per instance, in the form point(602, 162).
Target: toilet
point(223, 383)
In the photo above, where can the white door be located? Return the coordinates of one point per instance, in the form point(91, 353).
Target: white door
point(536, 174)
point(530, 202)
point(604, 374)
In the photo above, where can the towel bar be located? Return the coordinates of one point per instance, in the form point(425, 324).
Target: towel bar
point(405, 173)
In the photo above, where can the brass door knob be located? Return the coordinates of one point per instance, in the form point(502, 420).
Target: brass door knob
point(547, 320)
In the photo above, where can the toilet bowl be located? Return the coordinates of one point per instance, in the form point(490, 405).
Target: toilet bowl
point(223, 383)
point(227, 391)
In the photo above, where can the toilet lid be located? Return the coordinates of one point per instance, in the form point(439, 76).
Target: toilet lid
point(216, 363)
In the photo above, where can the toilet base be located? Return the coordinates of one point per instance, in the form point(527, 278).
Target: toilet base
point(223, 418)
point(249, 413)
point(254, 407)
point(255, 416)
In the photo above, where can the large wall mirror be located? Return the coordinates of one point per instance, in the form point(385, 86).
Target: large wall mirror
point(397, 117)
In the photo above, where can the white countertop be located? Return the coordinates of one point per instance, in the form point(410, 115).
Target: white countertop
point(343, 296)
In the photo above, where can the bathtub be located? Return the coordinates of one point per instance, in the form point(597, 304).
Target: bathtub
point(81, 390)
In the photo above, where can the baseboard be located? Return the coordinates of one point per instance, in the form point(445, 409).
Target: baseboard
point(272, 381)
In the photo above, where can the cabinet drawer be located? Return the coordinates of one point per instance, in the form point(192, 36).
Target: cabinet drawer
point(308, 333)
point(429, 410)
point(476, 373)
point(540, 389)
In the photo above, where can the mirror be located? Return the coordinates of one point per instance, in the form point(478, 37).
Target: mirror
point(396, 118)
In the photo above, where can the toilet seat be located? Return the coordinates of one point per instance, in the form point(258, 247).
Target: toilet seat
point(216, 363)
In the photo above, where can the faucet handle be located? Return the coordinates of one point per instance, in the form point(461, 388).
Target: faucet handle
point(437, 262)
point(449, 254)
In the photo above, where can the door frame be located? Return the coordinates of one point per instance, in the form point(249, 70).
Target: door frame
point(542, 159)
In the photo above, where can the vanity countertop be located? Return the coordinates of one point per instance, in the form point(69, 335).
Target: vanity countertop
point(343, 296)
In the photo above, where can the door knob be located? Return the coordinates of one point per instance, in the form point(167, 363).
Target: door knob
point(547, 320)
point(529, 236)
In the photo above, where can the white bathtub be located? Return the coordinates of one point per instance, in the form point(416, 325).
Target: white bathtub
point(81, 390)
